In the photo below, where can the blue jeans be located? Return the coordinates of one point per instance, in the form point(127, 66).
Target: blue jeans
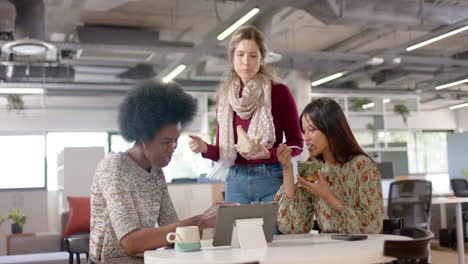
point(253, 183)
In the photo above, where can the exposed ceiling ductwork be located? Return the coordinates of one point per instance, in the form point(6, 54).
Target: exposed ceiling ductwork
point(7, 20)
point(116, 42)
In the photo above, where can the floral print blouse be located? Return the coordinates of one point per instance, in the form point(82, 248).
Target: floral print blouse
point(355, 183)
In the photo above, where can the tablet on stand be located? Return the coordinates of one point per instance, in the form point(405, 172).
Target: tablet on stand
point(245, 226)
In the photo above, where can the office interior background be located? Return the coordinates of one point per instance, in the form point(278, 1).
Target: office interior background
point(398, 69)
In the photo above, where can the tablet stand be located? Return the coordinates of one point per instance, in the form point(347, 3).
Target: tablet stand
point(248, 233)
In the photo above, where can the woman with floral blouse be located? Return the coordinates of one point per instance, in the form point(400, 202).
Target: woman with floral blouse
point(347, 198)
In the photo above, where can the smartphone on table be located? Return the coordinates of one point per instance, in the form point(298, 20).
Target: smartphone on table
point(349, 237)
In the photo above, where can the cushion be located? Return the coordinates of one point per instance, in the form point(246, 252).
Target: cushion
point(80, 215)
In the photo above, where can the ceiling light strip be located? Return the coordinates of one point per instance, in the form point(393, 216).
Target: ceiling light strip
point(440, 87)
point(21, 91)
point(239, 23)
point(369, 105)
point(429, 41)
point(458, 106)
point(329, 78)
point(174, 73)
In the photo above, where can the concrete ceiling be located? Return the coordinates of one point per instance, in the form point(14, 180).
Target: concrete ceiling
point(103, 46)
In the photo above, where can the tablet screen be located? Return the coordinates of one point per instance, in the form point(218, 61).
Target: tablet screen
point(228, 214)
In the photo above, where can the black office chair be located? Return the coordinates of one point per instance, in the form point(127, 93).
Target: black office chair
point(392, 226)
point(460, 189)
point(411, 200)
point(410, 251)
point(77, 244)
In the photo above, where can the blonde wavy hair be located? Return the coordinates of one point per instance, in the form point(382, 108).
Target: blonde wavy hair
point(251, 33)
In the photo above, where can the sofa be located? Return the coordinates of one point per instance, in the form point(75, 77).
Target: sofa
point(43, 248)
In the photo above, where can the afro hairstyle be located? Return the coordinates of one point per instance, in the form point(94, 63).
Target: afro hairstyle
point(150, 106)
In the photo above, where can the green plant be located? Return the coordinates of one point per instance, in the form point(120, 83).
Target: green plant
point(464, 173)
point(402, 110)
point(358, 102)
point(16, 216)
point(373, 129)
point(212, 130)
point(15, 102)
point(211, 105)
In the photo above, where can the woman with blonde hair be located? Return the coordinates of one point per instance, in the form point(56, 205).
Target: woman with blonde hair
point(251, 97)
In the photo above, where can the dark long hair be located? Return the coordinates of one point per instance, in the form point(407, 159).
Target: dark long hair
point(329, 118)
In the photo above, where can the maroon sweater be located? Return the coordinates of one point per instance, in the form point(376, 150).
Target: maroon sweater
point(285, 119)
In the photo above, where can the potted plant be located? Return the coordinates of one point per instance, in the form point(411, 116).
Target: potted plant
point(19, 221)
point(212, 129)
point(211, 105)
point(402, 110)
point(373, 129)
point(358, 102)
point(464, 172)
point(15, 102)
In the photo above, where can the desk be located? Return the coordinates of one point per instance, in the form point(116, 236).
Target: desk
point(305, 248)
point(443, 221)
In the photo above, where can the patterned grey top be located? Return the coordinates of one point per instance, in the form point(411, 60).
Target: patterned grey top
point(125, 197)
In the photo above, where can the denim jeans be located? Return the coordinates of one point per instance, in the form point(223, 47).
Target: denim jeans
point(253, 183)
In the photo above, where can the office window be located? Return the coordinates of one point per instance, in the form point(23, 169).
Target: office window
point(23, 164)
point(57, 141)
point(118, 143)
point(427, 152)
point(365, 139)
point(185, 163)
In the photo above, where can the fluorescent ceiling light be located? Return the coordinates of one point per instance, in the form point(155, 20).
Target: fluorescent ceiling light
point(239, 23)
point(429, 41)
point(369, 105)
point(386, 100)
point(174, 73)
point(451, 84)
point(458, 106)
point(329, 78)
point(21, 90)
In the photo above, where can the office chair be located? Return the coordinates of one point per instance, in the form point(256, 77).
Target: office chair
point(410, 251)
point(411, 200)
point(77, 244)
point(392, 226)
point(460, 189)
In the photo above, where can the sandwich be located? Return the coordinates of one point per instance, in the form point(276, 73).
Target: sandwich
point(245, 144)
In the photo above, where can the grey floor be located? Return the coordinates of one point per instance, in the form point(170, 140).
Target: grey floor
point(443, 255)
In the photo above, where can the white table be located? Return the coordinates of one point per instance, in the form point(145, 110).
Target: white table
point(306, 248)
point(459, 221)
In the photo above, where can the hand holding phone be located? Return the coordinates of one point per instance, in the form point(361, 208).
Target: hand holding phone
point(349, 237)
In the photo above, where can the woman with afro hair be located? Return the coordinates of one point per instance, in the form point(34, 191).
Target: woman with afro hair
point(131, 210)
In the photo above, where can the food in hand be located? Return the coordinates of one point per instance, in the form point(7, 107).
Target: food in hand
point(308, 170)
point(244, 143)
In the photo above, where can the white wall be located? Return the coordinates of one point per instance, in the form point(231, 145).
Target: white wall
point(462, 119)
point(443, 119)
point(54, 119)
point(32, 203)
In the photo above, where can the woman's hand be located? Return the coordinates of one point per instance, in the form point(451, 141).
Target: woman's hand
point(208, 218)
point(261, 153)
point(283, 153)
point(322, 190)
point(197, 145)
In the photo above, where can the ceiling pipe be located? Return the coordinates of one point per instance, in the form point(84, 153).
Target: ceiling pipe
point(384, 91)
point(7, 19)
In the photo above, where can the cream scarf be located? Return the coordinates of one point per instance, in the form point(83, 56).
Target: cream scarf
point(255, 103)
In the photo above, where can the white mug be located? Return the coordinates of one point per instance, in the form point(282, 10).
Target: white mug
point(186, 238)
